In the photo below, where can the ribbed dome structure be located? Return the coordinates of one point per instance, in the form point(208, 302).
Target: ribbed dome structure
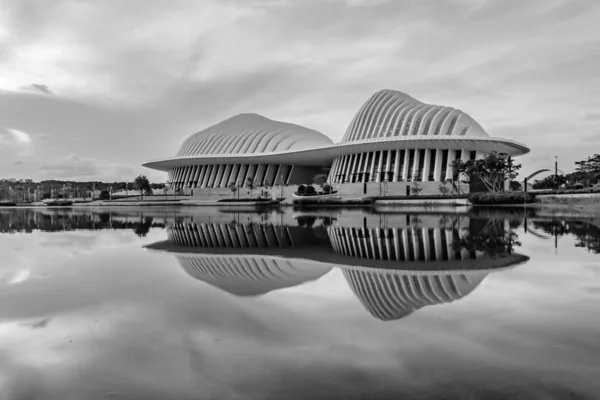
point(390, 295)
point(251, 133)
point(250, 275)
point(389, 113)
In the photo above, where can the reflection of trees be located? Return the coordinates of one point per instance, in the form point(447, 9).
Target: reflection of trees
point(144, 226)
point(587, 234)
point(489, 236)
point(27, 221)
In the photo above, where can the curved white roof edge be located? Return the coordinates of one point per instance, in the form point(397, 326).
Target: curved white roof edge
point(324, 155)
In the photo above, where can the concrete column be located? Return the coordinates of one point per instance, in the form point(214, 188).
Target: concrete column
point(251, 172)
point(276, 179)
point(235, 169)
point(283, 171)
point(437, 168)
point(260, 174)
point(353, 167)
point(202, 174)
point(379, 165)
point(332, 170)
point(425, 176)
point(289, 175)
point(406, 167)
point(197, 175)
point(396, 166)
point(358, 168)
point(346, 169)
point(387, 163)
point(465, 155)
point(213, 175)
point(226, 176)
point(219, 175)
point(371, 168)
point(451, 157)
point(270, 174)
point(415, 166)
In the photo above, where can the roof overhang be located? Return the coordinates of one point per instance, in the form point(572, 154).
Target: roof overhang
point(323, 156)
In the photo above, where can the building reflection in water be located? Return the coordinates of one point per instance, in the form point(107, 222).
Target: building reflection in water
point(393, 271)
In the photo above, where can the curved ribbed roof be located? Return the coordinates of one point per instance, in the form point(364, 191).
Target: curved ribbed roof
point(250, 275)
point(251, 133)
point(389, 295)
point(389, 113)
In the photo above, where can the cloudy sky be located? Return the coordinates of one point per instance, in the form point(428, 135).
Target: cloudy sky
point(91, 89)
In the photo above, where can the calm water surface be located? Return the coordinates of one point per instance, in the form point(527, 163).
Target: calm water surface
point(223, 304)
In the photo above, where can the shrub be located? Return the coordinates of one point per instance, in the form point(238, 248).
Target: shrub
point(104, 195)
point(501, 198)
point(301, 189)
point(310, 190)
point(578, 185)
point(326, 188)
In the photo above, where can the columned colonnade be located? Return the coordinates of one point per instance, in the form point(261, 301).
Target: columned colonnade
point(398, 165)
point(220, 175)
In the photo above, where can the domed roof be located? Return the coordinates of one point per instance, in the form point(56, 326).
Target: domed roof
point(394, 294)
point(390, 113)
point(251, 133)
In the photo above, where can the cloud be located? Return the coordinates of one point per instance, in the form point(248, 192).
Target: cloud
point(593, 116)
point(36, 87)
point(531, 66)
point(19, 136)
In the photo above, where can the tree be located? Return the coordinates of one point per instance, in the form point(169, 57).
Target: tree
point(251, 184)
point(549, 182)
point(142, 184)
point(310, 190)
point(233, 187)
point(301, 189)
point(492, 170)
point(443, 189)
point(320, 179)
point(416, 189)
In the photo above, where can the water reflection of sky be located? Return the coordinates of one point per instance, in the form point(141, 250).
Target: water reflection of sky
point(88, 314)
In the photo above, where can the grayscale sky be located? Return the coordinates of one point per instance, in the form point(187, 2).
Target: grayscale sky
point(91, 89)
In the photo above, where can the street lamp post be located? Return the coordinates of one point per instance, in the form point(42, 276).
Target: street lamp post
point(556, 172)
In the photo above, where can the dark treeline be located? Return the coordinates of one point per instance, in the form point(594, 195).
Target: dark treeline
point(75, 188)
point(28, 221)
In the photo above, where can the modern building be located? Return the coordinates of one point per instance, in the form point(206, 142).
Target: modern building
point(393, 138)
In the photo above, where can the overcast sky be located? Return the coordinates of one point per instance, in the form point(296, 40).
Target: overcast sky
point(91, 89)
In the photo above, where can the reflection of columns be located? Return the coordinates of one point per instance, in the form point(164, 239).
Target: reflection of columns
point(437, 239)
